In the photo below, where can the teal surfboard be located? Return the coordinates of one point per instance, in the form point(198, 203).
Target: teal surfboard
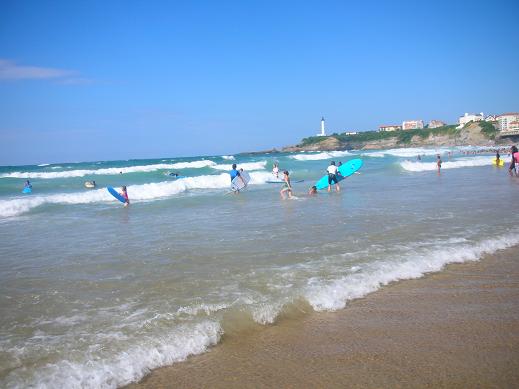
point(346, 169)
point(116, 194)
point(27, 190)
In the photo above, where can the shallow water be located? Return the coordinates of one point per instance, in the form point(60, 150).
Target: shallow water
point(95, 295)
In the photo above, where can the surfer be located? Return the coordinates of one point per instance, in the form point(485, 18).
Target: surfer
point(332, 177)
point(275, 170)
point(498, 157)
point(27, 185)
point(438, 162)
point(235, 173)
point(287, 187)
point(124, 194)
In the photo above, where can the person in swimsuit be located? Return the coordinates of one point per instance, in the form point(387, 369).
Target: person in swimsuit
point(498, 158)
point(312, 191)
point(513, 163)
point(287, 187)
point(332, 177)
point(124, 193)
point(438, 162)
point(27, 185)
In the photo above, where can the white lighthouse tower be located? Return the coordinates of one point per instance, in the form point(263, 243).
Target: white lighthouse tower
point(323, 133)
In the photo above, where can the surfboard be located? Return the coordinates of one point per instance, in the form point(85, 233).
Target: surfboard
point(501, 162)
point(27, 190)
point(281, 181)
point(346, 169)
point(116, 194)
point(240, 182)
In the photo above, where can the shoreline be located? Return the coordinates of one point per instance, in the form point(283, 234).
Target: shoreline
point(454, 328)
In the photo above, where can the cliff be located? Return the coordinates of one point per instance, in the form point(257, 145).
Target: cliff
point(474, 134)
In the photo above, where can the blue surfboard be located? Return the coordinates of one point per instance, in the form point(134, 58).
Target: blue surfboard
point(27, 190)
point(116, 194)
point(346, 169)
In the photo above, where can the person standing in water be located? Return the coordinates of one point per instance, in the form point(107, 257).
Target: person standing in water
point(27, 185)
point(515, 158)
point(275, 170)
point(332, 177)
point(287, 187)
point(498, 157)
point(438, 162)
point(124, 194)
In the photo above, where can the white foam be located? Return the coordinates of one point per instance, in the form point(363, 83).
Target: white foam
point(111, 171)
point(320, 156)
point(93, 371)
point(144, 192)
point(249, 166)
point(416, 166)
point(228, 157)
point(414, 151)
point(334, 295)
point(375, 154)
point(44, 164)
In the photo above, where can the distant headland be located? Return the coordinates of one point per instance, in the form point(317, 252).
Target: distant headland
point(474, 130)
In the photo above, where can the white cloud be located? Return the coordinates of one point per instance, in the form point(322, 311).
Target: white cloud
point(9, 70)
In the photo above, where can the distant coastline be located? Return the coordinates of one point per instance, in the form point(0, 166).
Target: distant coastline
point(473, 134)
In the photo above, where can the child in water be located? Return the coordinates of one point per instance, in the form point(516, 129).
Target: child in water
point(439, 162)
point(287, 187)
point(124, 193)
point(312, 191)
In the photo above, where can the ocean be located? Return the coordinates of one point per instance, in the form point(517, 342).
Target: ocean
point(93, 294)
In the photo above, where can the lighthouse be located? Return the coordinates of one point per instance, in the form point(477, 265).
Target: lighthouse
point(322, 128)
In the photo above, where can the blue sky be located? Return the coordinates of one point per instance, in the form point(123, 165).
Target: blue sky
point(134, 79)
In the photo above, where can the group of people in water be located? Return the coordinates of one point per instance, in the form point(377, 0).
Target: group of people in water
point(286, 191)
point(333, 172)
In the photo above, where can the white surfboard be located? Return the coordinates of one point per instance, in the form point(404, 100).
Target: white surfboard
point(240, 182)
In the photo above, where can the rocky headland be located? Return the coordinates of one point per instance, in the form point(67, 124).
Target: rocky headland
point(473, 134)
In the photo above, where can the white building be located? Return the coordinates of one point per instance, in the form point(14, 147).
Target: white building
point(412, 124)
point(470, 117)
point(436, 124)
point(351, 133)
point(508, 121)
point(323, 132)
point(491, 118)
point(389, 127)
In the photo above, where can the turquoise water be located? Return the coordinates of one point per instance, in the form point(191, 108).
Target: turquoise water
point(94, 295)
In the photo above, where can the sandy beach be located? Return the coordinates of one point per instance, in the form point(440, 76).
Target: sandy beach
point(458, 328)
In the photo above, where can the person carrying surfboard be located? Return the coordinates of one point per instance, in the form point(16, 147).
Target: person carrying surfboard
point(124, 194)
point(332, 177)
point(235, 173)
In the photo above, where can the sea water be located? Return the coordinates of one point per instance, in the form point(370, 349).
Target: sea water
point(93, 294)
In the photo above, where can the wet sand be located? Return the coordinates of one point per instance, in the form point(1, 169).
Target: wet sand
point(455, 329)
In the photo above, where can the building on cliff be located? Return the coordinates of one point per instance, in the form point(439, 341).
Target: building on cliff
point(389, 127)
point(436, 124)
point(412, 124)
point(508, 121)
point(470, 117)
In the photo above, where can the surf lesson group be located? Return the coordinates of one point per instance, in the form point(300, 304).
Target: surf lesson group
point(240, 180)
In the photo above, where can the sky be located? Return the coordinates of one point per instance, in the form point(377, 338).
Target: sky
point(108, 80)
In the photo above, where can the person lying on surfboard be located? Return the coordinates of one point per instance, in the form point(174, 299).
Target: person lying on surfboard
point(124, 194)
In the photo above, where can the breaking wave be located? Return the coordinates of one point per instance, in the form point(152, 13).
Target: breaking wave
point(415, 166)
point(320, 156)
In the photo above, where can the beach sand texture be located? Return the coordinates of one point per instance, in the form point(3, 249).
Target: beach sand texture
point(458, 328)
